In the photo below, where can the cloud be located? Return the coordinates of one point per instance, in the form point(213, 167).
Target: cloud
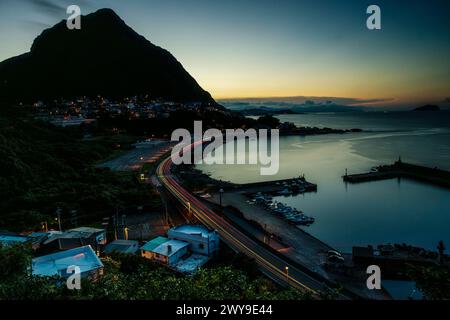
point(57, 8)
point(47, 12)
point(51, 7)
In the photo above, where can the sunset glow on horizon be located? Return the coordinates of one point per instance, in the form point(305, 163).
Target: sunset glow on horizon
point(242, 49)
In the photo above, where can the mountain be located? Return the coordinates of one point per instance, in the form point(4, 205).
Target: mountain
point(428, 107)
point(105, 57)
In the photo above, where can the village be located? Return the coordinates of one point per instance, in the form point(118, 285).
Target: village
point(185, 249)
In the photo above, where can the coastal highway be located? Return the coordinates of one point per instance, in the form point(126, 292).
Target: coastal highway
point(272, 265)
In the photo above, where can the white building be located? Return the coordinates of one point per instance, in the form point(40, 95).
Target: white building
point(165, 251)
point(200, 239)
point(56, 264)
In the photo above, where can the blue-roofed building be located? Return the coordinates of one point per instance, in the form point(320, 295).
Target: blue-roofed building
point(200, 239)
point(187, 248)
point(56, 264)
point(9, 238)
point(165, 251)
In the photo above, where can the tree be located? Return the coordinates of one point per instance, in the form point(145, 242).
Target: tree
point(15, 261)
point(441, 249)
point(433, 282)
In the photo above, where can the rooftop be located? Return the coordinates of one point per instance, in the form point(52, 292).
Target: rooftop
point(170, 247)
point(82, 232)
point(122, 246)
point(152, 244)
point(11, 238)
point(195, 230)
point(57, 263)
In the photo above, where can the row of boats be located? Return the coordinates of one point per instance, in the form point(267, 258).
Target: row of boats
point(286, 212)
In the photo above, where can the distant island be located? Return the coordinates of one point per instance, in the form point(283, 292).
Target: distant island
point(428, 107)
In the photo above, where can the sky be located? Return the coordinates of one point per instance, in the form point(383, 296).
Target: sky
point(283, 48)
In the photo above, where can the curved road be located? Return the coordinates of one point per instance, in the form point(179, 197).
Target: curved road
point(272, 265)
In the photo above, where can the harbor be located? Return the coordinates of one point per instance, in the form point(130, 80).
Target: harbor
point(291, 215)
point(402, 170)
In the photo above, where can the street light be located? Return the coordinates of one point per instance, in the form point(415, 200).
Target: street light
point(189, 208)
point(287, 273)
point(221, 191)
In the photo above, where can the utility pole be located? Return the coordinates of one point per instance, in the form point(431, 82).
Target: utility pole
point(115, 222)
point(58, 214)
point(74, 217)
point(124, 227)
point(166, 214)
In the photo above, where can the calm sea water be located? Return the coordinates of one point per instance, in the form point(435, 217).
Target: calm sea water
point(396, 211)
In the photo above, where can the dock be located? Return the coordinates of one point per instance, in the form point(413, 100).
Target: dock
point(403, 170)
point(294, 185)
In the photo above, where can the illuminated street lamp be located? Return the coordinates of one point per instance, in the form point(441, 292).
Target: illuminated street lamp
point(287, 273)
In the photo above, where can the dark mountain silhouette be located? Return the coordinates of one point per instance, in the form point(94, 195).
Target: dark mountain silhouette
point(105, 57)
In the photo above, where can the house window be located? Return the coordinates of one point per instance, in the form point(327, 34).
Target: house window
point(201, 246)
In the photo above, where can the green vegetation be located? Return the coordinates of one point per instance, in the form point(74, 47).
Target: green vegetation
point(43, 167)
point(129, 277)
point(433, 282)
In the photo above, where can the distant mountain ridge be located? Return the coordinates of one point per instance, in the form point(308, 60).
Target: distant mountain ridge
point(105, 57)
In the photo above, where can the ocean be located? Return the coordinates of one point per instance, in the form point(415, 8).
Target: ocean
point(389, 211)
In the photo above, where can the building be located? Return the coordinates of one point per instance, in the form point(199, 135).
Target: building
point(122, 246)
point(200, 239)
point(74, 238)
point(187, 248)
point(165, 251)
point(56, 264)
point(9, 238)
point(37, 238)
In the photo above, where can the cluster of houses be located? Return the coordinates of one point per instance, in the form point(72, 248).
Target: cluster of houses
point(185, 249)
point(86, 110)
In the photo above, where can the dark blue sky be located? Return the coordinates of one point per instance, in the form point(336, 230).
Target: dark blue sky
point(254, 48)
